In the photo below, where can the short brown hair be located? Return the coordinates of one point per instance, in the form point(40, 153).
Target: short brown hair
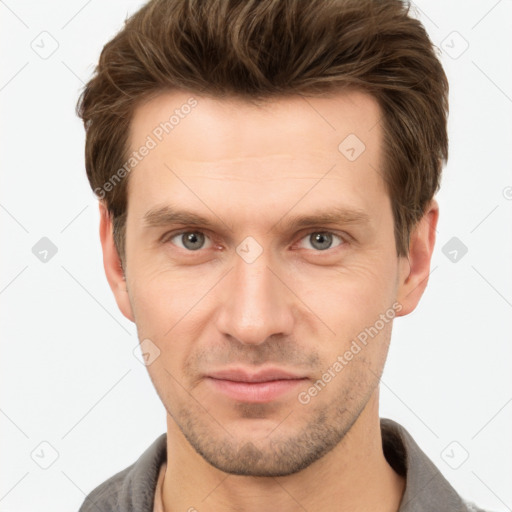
point(262, 49)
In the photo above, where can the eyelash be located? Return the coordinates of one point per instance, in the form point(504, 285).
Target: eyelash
point(344, 239)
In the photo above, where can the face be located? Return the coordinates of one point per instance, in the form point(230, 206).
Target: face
point(261, 270)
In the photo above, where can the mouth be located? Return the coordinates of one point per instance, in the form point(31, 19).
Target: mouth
point(256, 387)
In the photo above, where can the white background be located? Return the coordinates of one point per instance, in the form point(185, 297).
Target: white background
point(68, 373)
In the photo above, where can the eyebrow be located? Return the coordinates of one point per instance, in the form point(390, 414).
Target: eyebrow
point(166, 215)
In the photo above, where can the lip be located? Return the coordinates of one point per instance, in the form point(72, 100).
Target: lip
point(264, 375)
point(261, 386)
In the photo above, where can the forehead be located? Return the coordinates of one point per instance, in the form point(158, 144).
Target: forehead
point(230, 128)
point(204, 148)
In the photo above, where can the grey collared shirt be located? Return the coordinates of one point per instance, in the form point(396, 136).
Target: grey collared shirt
point(426, 490)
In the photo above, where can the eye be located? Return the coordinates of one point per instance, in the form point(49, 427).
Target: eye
point(189, 240)
point(321, 240)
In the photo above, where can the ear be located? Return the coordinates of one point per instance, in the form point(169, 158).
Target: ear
point(415, 269)
point(112, 264)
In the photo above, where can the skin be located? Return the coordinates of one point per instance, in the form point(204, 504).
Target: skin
point(249, 170)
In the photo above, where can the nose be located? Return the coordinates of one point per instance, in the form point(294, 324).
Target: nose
point(256, 302)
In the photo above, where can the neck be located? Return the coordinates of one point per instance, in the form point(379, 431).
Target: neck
point(354, 476)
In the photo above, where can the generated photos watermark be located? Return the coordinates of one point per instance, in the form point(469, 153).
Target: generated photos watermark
point(152, 140)
point(357, 344)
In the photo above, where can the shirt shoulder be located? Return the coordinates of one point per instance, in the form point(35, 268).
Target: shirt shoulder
point(426, 489)
point(133, 488)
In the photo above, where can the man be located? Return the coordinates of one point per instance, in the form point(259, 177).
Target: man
point(266, 172)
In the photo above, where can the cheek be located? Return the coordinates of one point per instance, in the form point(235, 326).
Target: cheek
point(348, 298)
point(163, 297)
point(170, 309)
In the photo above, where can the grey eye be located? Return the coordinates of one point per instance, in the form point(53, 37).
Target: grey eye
point(321, 240)
point(190, 240)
